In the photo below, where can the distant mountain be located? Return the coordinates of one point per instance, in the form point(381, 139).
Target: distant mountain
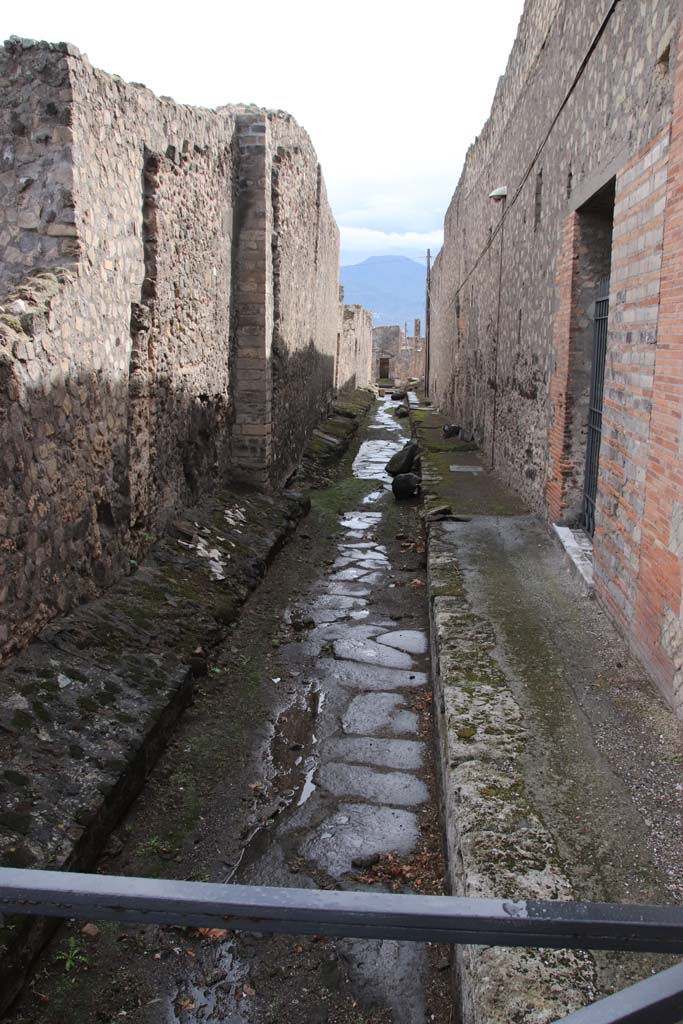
point(391, 287)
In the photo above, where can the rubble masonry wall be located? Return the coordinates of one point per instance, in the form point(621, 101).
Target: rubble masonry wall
point(126, 276)
point(354, 359)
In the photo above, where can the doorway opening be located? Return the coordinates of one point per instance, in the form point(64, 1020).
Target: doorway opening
point(590, 314)
point(384, 367)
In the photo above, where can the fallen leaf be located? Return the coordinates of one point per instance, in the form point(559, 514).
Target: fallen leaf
point(185, 1004)
point(418, 583)
point(214, 934)
point(249, 991)
point(91, 930)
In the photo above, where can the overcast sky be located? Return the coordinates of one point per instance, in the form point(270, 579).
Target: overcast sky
point(391, 93)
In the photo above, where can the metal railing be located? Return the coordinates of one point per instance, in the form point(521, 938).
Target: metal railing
point(440, 919)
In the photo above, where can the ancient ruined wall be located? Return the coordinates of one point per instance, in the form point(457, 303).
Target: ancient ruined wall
point(37, 215)
point(386, 344)
point(513, 298)
point(491, 367)
point(117, 397)
point(354, 352)
point(411, 357)
point(405, 353)
point(193, 336)
point(305, 292)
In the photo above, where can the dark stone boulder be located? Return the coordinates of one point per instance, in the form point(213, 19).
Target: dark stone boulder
point(405, 485)
point(397, 396)
point(451, 430)
point(402, 411)
point(402, 462)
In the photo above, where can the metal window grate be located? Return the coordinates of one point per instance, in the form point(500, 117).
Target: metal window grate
point(590, 486)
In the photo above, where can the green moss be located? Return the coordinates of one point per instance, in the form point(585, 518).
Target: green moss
point(342, 496)
point(87, 704)
point(13, 323)
point(22, 721)
point(466, 732)
point(40, 711)
point(17, 778)
point(338, 426)
point(17, 821)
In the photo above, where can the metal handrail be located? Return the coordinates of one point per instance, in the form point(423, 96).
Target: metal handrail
point(415, 918)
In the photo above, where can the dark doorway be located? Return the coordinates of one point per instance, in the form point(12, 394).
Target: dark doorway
point(590, 310)
point(384, 368)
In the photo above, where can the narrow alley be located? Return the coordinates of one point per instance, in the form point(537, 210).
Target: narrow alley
point(319, 773)
point(351, 571)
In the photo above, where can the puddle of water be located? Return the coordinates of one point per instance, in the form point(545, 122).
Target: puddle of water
point(373, 497)
point(309, 786)
point(373, 456)
point(360, 521)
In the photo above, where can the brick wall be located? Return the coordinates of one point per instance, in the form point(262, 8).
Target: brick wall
point(657, 621)
point(492, 367)
point(628, 394)
point(514, 365)
point(561, 467)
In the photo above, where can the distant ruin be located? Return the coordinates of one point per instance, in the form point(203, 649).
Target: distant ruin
point(396, 355)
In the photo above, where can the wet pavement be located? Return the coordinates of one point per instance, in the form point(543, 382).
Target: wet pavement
point(365, 772)
point(343, 797)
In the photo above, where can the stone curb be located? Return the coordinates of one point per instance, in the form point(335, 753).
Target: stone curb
point(87, 708)
point(497, 845)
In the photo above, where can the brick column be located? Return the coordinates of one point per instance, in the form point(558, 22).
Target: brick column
point(658, 623)
point(252, 387)
point(560, 465)
point(629, 373)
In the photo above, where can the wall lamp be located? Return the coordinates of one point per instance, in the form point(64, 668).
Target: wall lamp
point(499, 193)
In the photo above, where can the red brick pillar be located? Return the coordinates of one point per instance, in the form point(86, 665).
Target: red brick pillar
point(559, 465)
point(658, 623)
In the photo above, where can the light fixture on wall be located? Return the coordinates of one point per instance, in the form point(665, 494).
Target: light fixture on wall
point(499, 193)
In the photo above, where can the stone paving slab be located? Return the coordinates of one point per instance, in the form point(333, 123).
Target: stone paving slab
point(372, 654)
point(397, 789)
point(385, 753)
point(366, 677)
point(360, 831)
point(372, 713)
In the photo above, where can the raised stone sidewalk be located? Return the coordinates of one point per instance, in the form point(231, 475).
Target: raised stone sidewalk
point(560, 764)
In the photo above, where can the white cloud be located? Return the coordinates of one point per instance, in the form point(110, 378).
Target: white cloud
point(391, 95)
point(407, 243)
